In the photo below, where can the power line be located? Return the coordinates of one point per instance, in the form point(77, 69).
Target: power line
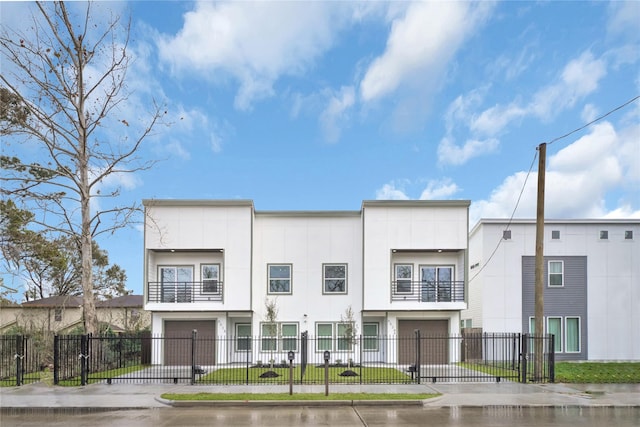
point(531, 168)
point(594, 120)
point(524, 185)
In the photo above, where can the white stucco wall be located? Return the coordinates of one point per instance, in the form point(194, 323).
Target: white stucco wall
point(224, 228)
point(423, 227)
point(307, 242)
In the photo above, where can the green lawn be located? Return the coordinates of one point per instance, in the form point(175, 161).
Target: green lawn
point(296, 396)
point(95, 377)
point(313, 375)
point(597, 372)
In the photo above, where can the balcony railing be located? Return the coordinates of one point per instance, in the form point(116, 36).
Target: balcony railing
point(185, 292)
point(406, 290)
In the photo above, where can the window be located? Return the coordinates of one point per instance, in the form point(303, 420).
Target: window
point(436, 283)
point(57, 315)
point(506, 234)
point(289, 341)
point(176, 283)
point(628, 235)
point(324, 336)
point(370, 337)
point(572, 336)
point(554, 327)
point(210, 277)
point(334, 277)
point(269, 333)
point(279, 336)
point(555, 234)
point(604, 234)
point(404, 277)
point(243, 337)
point(556, 273)
point(344, 336)
point(279, 278)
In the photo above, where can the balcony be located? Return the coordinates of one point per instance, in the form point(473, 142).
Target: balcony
point(405, 290)
point(185, 292)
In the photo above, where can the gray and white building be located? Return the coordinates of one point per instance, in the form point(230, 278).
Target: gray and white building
point(592, 284)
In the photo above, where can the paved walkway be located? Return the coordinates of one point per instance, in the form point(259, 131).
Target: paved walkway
point(504, 394)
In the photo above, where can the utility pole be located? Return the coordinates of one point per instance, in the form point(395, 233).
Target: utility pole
point(539, 267)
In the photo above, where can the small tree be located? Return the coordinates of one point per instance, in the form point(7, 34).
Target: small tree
point(350, 329)
point(271, 317)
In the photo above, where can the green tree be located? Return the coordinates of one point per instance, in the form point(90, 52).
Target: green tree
point(51, 267)
point(63, 92)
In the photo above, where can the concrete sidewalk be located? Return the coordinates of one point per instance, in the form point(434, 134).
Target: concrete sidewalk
point(505, 394)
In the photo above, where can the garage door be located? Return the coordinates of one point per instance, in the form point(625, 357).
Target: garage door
point(178, 343)
point(434, 342)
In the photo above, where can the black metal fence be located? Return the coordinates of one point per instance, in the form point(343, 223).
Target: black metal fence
point(197, 359)
point(22, 359)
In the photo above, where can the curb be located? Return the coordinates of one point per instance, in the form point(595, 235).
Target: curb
point(271, 403)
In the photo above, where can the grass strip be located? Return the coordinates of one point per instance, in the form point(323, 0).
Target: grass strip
point(313, 375)
point(598, 372)
point(297, 396)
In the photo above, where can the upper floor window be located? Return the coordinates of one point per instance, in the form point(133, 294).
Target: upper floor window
point(556, 273)
point(279, 278)
point(334, 278)
point(210, 277)
point(506, 234)
point(604, 234)
point(57, 315)
point(176, 282)
point(404, 277)
point(555, 234)
point(628, 235)
point(436, 283)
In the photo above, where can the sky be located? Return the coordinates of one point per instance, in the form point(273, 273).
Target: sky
point(319, 105)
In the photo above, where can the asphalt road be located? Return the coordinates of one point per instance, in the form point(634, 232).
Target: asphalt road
point(328, 416)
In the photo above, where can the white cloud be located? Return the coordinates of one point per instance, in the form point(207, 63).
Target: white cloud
point(335, 114)
point(439, 189)
point(420, 45)
point(452, 154)
point(390, 192)
point(255, 43)
point(494, 119)
point(578, 179)
point(579, 78)
point(623, 19)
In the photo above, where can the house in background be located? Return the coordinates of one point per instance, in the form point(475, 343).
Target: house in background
point(592, 284)
point(215, 266)
point(63, 314)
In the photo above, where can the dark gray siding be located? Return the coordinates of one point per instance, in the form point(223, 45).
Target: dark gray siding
point(569, 300)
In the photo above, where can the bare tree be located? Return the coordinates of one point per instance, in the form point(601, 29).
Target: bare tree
point(63, 92)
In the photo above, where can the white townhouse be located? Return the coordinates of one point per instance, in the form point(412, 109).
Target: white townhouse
point(215, 266)
point(592, 284)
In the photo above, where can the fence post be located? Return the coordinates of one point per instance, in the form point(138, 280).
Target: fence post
point(18, 356)
point(523, 357)
point(552, 359)
point(303, 354)
point(56, 359)
point(418, 371)
point(84, 355)
point(193, 356)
